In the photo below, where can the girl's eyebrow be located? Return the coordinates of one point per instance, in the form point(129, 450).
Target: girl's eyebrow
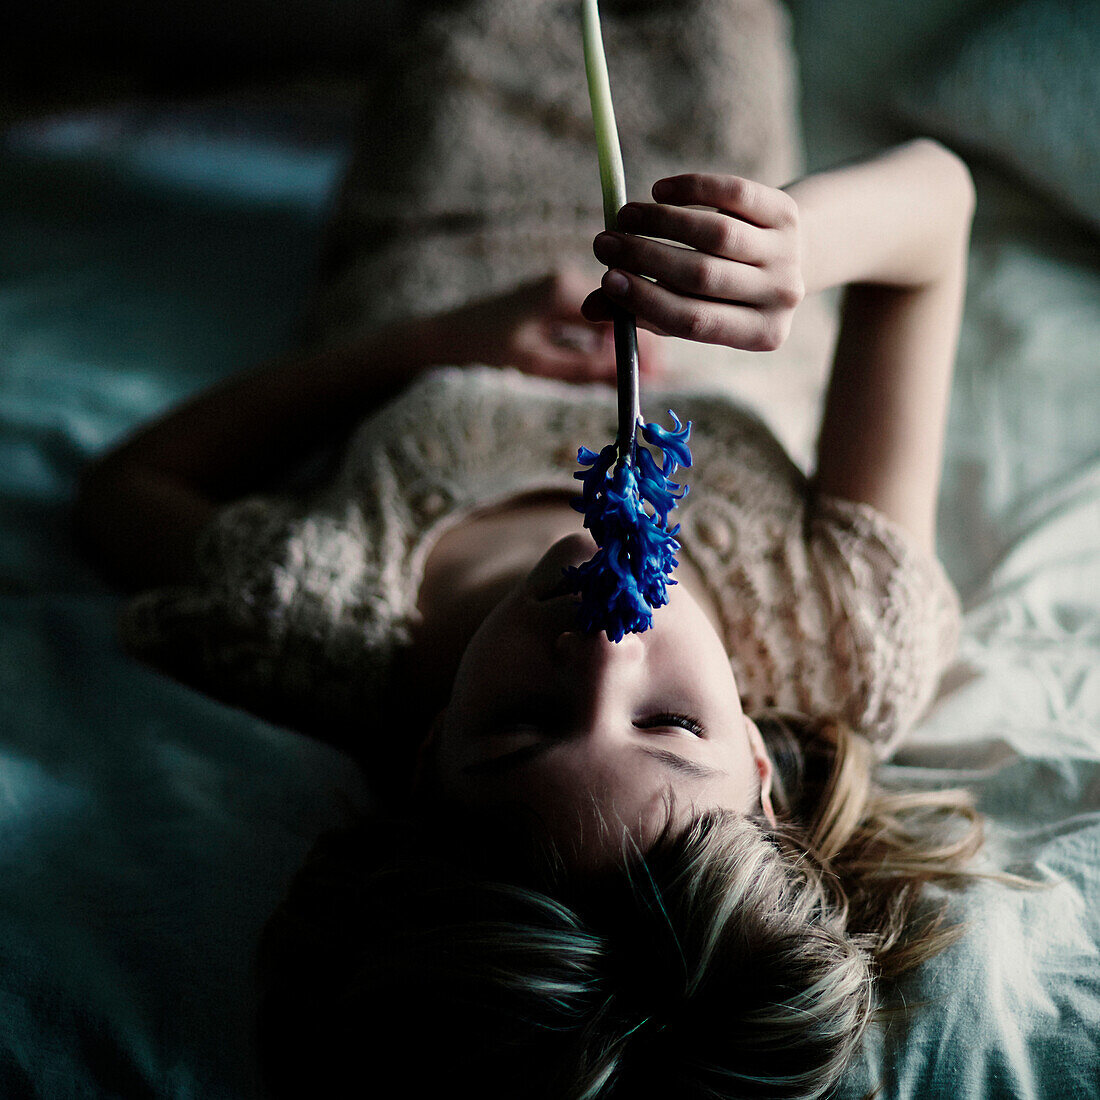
point(682, 765)
point(508, 760)
point(521, 756)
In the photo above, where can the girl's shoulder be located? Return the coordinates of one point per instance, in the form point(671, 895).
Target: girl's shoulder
point(842, 615)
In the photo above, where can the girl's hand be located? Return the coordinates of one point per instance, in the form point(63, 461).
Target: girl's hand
point(538, 328)
point(738, 281)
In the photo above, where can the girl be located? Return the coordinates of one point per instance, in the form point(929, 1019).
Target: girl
point(660, 867)
point(610, 869)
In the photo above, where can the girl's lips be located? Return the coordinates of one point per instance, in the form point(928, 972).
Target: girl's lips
point(559, 614)
point(545, 581)
point(561, 590)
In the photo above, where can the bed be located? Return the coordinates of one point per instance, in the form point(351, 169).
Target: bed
point(151, 246)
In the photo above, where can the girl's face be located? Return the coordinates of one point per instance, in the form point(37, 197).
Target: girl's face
point(567, 722)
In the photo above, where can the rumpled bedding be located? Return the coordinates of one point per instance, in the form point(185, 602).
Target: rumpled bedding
point(146, 832)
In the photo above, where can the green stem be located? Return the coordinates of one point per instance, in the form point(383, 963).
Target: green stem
point(613, 186)
point(612, 178)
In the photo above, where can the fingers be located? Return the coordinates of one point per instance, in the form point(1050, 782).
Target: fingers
point(590, 359)
point(764, 206)
point(691, 271)
point(705, 230)
point(572, 351)
point(706, 322)
point(597, 307)
point(552, 337)
point(737, 281)
point(574, 335)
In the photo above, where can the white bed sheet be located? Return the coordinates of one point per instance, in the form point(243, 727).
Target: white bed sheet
point(146, 831)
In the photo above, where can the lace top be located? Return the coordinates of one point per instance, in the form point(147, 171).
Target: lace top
point(827, 607)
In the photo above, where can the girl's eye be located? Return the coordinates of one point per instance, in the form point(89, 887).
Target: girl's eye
point(684, 721)
point(512, 723)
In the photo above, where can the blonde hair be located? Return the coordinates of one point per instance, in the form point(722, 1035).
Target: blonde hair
point(878, 847)
point(731, 959)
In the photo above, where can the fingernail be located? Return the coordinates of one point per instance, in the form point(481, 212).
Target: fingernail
point(627, 217)
point(616, 282)
point(607, 245)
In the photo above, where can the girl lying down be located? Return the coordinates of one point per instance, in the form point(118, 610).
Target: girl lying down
point(661, 866)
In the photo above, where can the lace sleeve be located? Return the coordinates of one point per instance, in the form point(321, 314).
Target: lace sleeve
point(896, 617)
point(282, 622)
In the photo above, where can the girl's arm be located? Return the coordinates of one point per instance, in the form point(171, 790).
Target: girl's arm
point(140, 509)
point(894, 230)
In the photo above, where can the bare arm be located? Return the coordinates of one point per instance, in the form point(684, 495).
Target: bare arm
point(893, 230)
point(139, 509)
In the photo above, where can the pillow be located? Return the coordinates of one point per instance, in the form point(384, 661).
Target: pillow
point(1023, 88)
point(476, 166)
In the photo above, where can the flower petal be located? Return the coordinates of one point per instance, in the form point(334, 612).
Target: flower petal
point(628, 575)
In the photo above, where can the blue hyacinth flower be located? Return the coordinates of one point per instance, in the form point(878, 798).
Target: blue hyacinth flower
point(628, 576)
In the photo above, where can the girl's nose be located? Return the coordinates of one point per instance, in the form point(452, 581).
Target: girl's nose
point(596, 651)
point(593, 673)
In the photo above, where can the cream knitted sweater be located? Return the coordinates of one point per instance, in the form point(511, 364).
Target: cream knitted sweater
point(476, 170)
point(475, 166)
point(827, 607)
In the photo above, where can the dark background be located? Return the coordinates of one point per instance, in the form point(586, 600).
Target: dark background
point(63, 52)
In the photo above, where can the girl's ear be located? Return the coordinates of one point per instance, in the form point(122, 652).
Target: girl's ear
point(425, 755)
point(763, 767)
